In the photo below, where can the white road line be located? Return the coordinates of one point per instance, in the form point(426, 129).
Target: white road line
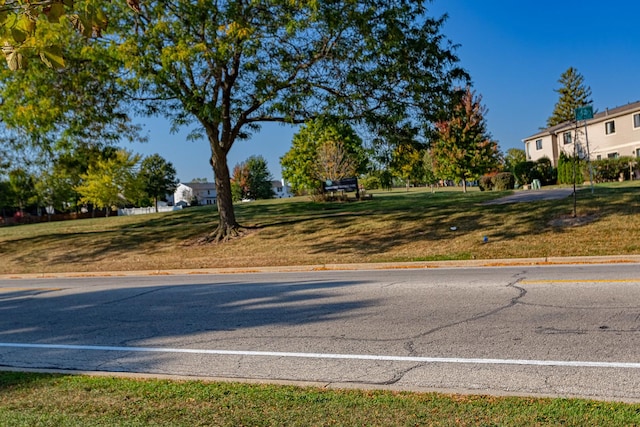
point(416, 359)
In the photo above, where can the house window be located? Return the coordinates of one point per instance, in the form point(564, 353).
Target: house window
point(567, 138)
point(636, 121)
point(610, 127)
point(637, 152)
point(599, 157)
point(538, 144)
point(612, 155)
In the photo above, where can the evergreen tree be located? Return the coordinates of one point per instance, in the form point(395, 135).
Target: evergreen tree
point(22, 186)
point(573, 94)
point(463, 149)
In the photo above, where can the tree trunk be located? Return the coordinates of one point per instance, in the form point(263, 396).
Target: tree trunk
point(464, 185)
point(228, 228)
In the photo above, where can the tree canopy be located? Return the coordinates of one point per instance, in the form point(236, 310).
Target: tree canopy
point(513, 157)
point(39, 29)
point(573, 94)
point(252, 180)
point(110, 182)
point(46, 111)
point(302, 166)
point(158, 177)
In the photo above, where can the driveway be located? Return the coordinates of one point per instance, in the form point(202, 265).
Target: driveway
point(532, 195)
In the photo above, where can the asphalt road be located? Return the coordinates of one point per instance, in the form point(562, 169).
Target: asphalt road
point(532, 330)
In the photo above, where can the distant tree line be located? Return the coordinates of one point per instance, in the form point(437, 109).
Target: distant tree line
point(459, 149)
point(86, 178)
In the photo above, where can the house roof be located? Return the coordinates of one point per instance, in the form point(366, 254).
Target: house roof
point(597, 117)
point(199, 186)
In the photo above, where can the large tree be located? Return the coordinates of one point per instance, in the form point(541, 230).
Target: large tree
point(573, 94)
point(463, 149)
point(228, 66)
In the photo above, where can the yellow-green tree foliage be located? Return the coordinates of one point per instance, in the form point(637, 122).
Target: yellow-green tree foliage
point(110, 182)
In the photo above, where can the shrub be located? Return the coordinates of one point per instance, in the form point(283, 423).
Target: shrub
point(607, 170)
point(370, 182)
point(504, 181)
point(526, 172)
point(548, 174)
point(485, 183)
point(566, 169)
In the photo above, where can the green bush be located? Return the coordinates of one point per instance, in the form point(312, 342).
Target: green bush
point(548, 174)
point(370, 182)
point(526, 172)
point(485, 183)
point(504, 181)
point(607, 170)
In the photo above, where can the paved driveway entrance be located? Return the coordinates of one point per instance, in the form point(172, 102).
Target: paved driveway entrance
point(532, 195)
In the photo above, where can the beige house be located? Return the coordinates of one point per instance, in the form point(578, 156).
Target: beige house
point(609, 134)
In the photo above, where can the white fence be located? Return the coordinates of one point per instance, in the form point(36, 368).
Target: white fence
point(142, 211)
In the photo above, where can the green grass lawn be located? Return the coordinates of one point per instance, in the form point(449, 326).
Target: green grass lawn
point(28, 399)
point(395, 226)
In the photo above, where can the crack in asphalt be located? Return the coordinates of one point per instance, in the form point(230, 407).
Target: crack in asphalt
point(138, 294)
point(410, 344)
point(514, 301)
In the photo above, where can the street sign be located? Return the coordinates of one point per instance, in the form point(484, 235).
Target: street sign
point(584, 113)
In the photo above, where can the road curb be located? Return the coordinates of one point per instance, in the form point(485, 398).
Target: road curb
point(617, 259)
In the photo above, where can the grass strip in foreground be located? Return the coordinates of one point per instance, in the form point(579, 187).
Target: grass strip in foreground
point(29, 399)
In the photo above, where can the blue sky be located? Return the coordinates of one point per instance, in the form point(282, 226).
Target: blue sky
point(515, 53)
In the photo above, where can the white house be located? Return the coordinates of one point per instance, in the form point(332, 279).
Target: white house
point(611, 133)
point(202, 193)
point(281, 189)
